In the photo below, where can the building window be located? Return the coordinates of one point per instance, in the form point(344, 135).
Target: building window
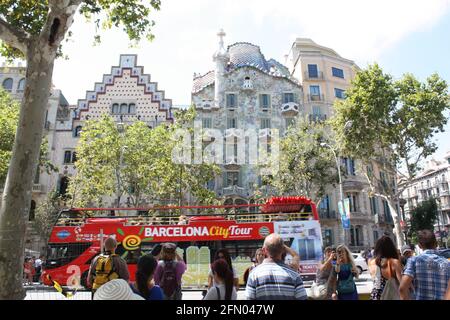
point(231, 100)
point(349, 166)
point(132, 108)
point(353, 197)
point(356, 238)
point(316, 110)
point(63, 185)
point(312, 71)
point(265, 124)
point(337, 72)
point(21, 85)
point(123, 108)
point(373, 205)
point(37, 175)
point(231, 123)
point(288, 97)
point(206, 123)
point(74, 157)
point(264, 101)
point(77, 131)
point(67, 156)
point(314, 90)
point(32, 213)
point(289, 122)
point(339, 93)
point(232, 178)
point(115, 108)
point(328, 237)
point(8, 84)
point(324, 207)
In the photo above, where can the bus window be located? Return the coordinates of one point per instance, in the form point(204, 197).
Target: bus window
point(59, 254)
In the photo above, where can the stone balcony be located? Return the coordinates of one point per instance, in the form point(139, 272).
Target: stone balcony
point(234, 191)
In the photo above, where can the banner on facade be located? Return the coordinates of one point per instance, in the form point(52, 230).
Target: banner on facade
point(345, 223)
point(347, 207)
point(341, 209)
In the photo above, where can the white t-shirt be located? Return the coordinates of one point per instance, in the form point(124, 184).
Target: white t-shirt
point(235, 276)
point(37, 263)
point(212, 293)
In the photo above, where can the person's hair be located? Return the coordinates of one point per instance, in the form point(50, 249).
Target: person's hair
point(256, 254)
point(110, 244)
point(221, 269)
point(328, 249)
point(385, 248)
point(226, 257)
point(156, 250)
point(146, 267)
point(274, 245)
point(427, 239)
point(168, 252)
point(348, 255)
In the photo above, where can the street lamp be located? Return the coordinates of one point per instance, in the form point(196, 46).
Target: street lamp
point(341, 192)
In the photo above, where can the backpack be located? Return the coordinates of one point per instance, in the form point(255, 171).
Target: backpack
point(104, 270)
point(169, 282)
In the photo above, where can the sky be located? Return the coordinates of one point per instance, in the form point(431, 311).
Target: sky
point(401, 35)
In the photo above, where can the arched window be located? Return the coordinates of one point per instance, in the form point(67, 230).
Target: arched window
point(123, 108)
point(131, 108)
point(8, 84)
point(21, 85)
point(77, 131)
point(115, 108)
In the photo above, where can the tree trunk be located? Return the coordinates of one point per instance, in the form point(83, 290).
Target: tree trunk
point(16, 196)
point(397, 227)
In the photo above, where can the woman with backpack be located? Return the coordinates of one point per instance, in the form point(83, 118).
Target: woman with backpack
point(224, 287)
point(386, 270)
point(169, 271)
point(223, 254)
point(344, 273)
point(144, 285)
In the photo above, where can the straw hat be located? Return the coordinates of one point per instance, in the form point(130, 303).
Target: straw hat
point(117, 289)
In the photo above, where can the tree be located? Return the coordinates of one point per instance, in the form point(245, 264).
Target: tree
point(423, 217)
point(136, 163)
point(9, 118)
point(46, 214)
point(305, 167)
point(34, 31)
point(392, 124)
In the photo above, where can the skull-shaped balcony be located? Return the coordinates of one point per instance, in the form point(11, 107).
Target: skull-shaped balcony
point(290, 108)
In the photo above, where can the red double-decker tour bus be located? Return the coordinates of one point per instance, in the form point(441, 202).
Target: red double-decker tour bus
point(199, 232)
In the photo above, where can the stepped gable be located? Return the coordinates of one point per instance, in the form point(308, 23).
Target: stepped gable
point(127, 62)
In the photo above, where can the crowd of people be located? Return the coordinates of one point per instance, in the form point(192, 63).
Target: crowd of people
point(396, 275)
point(32, 269)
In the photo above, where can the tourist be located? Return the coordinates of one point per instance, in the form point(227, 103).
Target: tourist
point(223, 254)
point(320, 289)
point(384, 267)
point(407, 252)
point(145, 285)
point(38, 268)
point(273, 279)
point(224, 288)
point(259, 258)
point(107, 266)
point(116, 289)
point(343, 275)
point(169, 272)
point(429, 272)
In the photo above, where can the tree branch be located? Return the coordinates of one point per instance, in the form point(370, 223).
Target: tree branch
point(14, 37)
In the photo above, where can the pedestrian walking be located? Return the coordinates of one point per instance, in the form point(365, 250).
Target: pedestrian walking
point(145, 285)
point(320, 289)
point(224, 288)
point(107, 266)
point(257, 260)
point(429, 272)
point(273, 279)
point(116, 289)
point(344, 274)
point(169, 272)
point(38, 268)
point(386, 270)
point(223, 254)
point(407, 252)
point(28, 271)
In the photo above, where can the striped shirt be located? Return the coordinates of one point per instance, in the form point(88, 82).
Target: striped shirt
point(274, 281)
point(431, 274)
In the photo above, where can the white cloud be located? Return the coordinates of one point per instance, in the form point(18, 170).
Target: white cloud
point(186, 36)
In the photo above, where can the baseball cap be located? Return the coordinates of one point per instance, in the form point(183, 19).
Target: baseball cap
point(117, 289)
point(406, 248)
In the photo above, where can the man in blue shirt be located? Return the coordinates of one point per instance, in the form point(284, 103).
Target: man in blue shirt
point(273, 279)
point(429, 272)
